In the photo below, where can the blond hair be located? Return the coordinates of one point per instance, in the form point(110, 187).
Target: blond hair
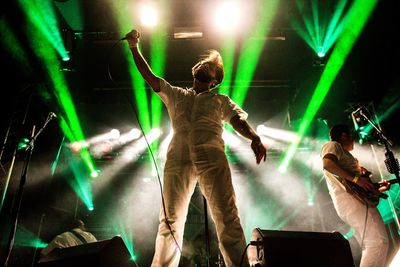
point(215, 57)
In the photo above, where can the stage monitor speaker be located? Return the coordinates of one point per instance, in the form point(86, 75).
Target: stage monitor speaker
point(106, 253)
point(271, 248)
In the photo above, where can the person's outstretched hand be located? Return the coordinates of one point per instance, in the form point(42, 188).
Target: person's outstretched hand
point(259, 150)
point(133, 38)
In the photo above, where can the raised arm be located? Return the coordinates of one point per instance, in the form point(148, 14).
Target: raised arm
point(152, 80)
point(244, 128)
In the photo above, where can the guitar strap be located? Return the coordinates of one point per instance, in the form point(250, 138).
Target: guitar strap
point(79, 236)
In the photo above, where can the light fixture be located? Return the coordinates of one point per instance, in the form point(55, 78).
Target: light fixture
point(148, 16)
point(228, 16)
point(188, 33)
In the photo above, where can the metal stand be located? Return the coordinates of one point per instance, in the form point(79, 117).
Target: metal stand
point(18, 201)
point(11, 168)
point(207, 233)
point(220, 261)
point(392, 164)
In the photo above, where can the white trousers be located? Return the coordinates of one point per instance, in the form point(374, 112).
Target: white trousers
point(207, 165)
point(374, 240)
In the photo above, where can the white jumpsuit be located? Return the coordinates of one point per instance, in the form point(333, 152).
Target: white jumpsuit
point(196, 153)
point(353, 212)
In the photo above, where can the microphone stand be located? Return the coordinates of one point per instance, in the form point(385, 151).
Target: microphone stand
point(392, 164)
point(207, 233)
point(15, 213)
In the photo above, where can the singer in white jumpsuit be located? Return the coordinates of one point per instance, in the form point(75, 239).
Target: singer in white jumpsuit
point(196, 154)
point(370, 232)
point(197, 150)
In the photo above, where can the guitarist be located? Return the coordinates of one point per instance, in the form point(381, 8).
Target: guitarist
point(340, 169)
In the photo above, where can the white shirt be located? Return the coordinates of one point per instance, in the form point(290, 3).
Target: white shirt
point(205, 111)
point(345, 160)
point(68, 239)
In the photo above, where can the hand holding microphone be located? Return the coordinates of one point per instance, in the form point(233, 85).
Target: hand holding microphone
point(133, 38)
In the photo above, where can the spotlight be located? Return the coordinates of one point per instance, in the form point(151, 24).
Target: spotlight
point(68, 37)
point(66, 58)
point(135, 133)
point(94, 174)
point(320, 52)
point(188, 33)
point(278, 134)
point(77, 146)
point(231, 139)
point(282, 169)
point(66, 64)
point(149, 16)
point(114, 134)
point(154, 134)
point(319, 60)
point(23, 144)
point(228, 16)
point(396, 260)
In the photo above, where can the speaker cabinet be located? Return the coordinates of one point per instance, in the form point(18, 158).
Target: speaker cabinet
point(271, 248)
point(106, 253)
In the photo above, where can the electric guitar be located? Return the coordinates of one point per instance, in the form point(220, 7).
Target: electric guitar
point(368, 197)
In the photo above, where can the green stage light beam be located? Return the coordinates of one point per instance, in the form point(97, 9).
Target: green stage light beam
point(387, 112)
point(158, 47)
point(349, 234)
point(357, 18)
point(335, 26)
point(308, 35)
point(227, 54)
point(317, 26)
point(25, 238)
point(79, 181)
point(269, 218)
point(320, 35)
point(42, 14)
point(139, 91)
point(10, 41)
point(387, 208)
point(55, 162)
point(281, 224)
point(66, 129)
point(65, 100)
point(48, 57)
point(251, 51)
point(124, 13)
point(72, 11)
point(126, 235)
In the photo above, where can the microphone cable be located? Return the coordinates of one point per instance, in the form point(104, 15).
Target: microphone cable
point(149, 148)
point(365, 226)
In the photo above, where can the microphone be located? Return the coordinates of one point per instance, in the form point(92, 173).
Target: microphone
point(392, 164)
point(131, 35)
point(361, 112)
point(52, 115)
point(358, 110)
